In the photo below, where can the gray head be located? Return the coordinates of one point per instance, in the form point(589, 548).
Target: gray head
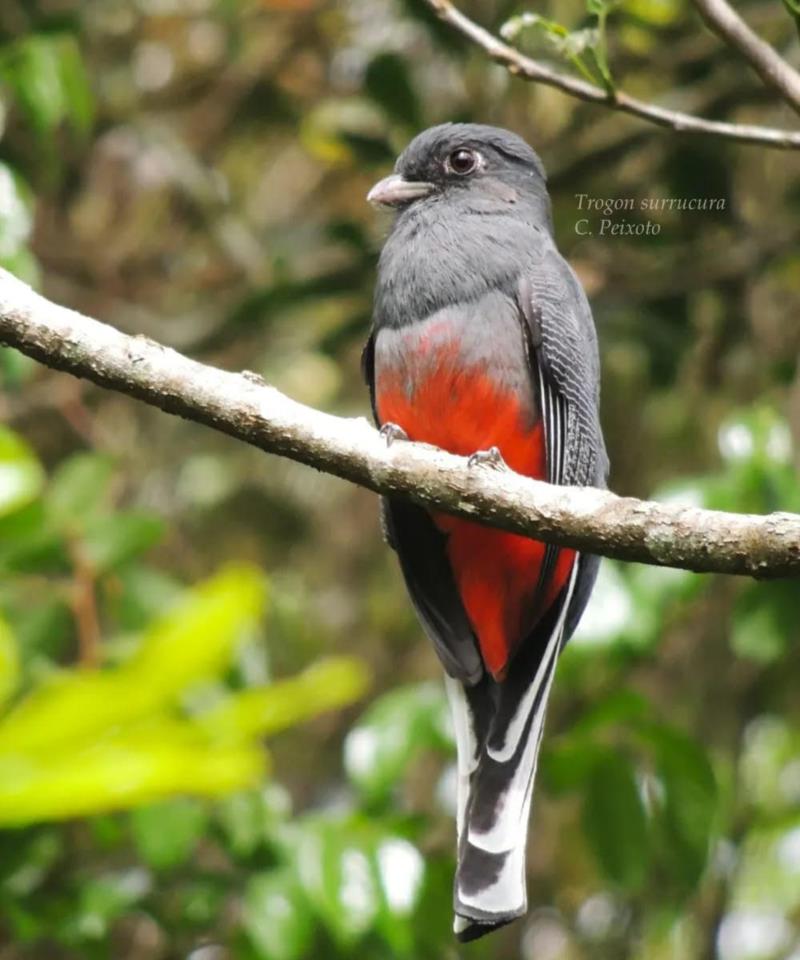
point(468, 163)
point(472, 212)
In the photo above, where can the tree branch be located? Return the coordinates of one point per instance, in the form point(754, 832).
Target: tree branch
point(767, 62)
point(530, 69)
point(242, 406)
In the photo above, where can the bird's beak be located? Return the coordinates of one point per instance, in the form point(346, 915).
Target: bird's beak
point(394, 191)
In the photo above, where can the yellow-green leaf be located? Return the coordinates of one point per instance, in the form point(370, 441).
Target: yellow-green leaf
point(195, 641)
point(324, 686)
point(9, 662)
point(21, 474)
point(122, 771)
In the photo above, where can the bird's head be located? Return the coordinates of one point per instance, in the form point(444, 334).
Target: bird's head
point(475, 166)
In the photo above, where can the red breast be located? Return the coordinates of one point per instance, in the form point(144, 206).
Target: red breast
point(461, 381)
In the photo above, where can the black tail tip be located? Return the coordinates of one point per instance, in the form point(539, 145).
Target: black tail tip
point(466, 929)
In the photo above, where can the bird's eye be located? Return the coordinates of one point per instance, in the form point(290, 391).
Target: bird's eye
point(462, 161)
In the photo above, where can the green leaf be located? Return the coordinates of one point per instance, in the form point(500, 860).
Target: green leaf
point(47, 78)
point(15, 367)
point(144, 594)
point(793, 8)
point(110, 541)
point(402, 873)
point(764, 623)
point(621, 706)
point(759, 476)
point(78, 99)
point(22, 529)
point(31, 68)
point(612, 617)
point(24, 265)
point(766, 868)
point(688, 812)
point(567, 766)
point(79, 489)
point(336, 870)
point(26, 925)
point(194, 642)
point(165, 834)
point(657, 13)
point(277, 917)
point(105, 898)
point(132, 767)
point(108, 831)
point(9, 662)
point(21, 474)
point(431, 921)
point(569, 45)
point(615, 822)
point(325, 685)
point(16, 213)
point(198, 638)
point(516, 25)
point(44, 629)
point(202, 900)
point(249, 819)
point(29, 857)
point(28, 543)
point(657, 593)
point(771, 748)
point(576, 42)
point(390, 734)
point(388, 82)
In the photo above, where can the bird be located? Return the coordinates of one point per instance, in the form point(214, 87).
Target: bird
point(483, 344)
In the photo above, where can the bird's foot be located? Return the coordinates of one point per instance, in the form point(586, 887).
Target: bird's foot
point(391, 432)
point(488, 458)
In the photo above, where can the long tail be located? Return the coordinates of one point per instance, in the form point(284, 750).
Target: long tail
point(498, 732)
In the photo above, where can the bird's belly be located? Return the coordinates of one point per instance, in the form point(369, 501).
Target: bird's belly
point(462, 409)
point(443, 390)
point(460, 380)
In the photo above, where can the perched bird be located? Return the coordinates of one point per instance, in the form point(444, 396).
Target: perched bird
point(483, 344)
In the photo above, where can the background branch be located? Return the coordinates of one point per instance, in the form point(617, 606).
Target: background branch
point(767, 62)
point(530, 69)
point(242, 406)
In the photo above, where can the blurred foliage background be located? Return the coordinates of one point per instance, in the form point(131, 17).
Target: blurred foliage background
point(195, 171)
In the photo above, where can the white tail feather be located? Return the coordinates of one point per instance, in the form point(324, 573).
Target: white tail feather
point(466, 745)
point(495, 889)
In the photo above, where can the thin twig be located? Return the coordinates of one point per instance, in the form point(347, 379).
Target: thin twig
point(242, 406)
point(529, 69)
point(83, 601)
point(767, 62)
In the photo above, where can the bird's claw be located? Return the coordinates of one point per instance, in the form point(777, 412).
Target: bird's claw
point(488, 458)
point(391, 432)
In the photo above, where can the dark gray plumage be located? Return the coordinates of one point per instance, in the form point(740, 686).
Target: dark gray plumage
point(470, 277)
